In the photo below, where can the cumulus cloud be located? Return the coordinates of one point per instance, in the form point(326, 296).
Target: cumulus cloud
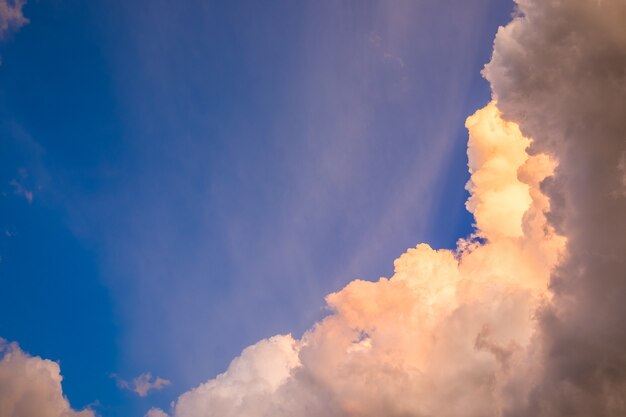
point(155, 412)
point(524, 318)
point(143, 384)
point(11, 16)
point(559, 70)
point(31, 386)
point(449, 334)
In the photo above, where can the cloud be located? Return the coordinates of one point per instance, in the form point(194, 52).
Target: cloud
point(19, 189)
point(11, 16)
point(449, 334)
point(559, 71)
point(143, 384)
point(31, 386)
point(517, 321)
point(524, 318)
point(155, 412)
point(335, 160)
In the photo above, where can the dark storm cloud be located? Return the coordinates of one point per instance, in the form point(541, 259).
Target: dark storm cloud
point(559, 71)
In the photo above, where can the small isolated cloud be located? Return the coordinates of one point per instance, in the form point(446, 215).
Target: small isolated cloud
point(21, 190)
point(156, 412)
point(142, 385)
point(11, 16)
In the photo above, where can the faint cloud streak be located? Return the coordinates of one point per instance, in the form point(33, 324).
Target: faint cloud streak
point(20, 190)
point(143, 384)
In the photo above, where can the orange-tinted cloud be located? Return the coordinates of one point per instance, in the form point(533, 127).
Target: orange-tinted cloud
point(31, 386)
point(449, 334)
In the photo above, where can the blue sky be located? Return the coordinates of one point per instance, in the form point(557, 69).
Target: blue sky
point(204, 173)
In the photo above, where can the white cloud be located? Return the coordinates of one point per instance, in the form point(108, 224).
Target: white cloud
point(31, 386)
point(156, 412)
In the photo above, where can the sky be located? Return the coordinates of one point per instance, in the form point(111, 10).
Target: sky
point(184, 183)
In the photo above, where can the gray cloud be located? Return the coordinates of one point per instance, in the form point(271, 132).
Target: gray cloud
point(559, 70)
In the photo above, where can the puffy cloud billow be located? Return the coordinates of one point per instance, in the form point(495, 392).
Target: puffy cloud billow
point(559, 70)
point(527, 317)
point(31, 386)
point(451, 333)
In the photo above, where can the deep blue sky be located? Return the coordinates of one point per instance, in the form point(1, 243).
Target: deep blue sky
point(203, 173)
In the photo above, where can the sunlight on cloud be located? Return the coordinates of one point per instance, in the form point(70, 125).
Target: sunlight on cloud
point(510, 323)
point(448, 334)
point(31, 386)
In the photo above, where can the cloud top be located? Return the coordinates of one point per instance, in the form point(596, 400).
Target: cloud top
point(449, 334)
point(558, 70)
point(31, 386)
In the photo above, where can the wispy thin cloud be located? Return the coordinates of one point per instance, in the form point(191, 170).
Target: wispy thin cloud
point(11, 16)
point(143, 384)
point(21, 190)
